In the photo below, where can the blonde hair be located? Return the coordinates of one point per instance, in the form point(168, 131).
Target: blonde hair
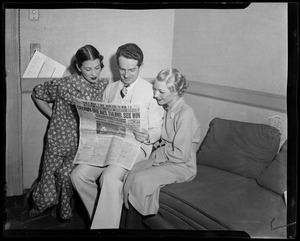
point(175, 81)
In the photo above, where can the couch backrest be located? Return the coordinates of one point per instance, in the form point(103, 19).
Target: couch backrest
point(239, 147)
point(274, 177)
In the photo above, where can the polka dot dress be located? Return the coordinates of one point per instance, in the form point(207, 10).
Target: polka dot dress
point(54, 186)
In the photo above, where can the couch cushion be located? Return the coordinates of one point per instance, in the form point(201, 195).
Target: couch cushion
point(239, 147)
point(220, 200)
point(274, 177)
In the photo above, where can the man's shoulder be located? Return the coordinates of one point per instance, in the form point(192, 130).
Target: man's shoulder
point(115, 83)
point(112, 85)
point(144, 83)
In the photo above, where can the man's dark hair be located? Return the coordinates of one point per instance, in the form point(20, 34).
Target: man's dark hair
point(130, 51)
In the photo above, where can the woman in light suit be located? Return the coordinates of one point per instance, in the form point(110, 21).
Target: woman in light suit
point(174, 160)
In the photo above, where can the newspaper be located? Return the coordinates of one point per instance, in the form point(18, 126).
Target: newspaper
point(41, 66)
point(106, 135)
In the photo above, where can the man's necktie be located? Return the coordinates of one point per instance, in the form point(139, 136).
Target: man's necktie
point(123, 91)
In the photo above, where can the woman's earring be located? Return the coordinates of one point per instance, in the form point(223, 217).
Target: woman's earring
point(79, 70)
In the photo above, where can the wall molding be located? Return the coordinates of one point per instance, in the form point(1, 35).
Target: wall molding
point(28, 84)
point(240, 96)
point(225, 93)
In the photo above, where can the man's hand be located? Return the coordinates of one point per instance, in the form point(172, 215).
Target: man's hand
point(141, 135)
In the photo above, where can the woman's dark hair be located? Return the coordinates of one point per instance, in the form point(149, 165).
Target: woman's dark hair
point(130, 51)
point(88, 52)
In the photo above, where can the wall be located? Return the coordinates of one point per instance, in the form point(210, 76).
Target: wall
point(243, 48)
point(62, 31)
point(234, 54)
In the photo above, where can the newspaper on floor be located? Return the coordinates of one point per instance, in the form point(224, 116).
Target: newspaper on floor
point(106, 133)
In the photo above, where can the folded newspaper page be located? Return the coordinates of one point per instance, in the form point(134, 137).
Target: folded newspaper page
point(106, 136)
point(41, 66)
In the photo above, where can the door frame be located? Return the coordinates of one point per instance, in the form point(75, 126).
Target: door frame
point(13, 157)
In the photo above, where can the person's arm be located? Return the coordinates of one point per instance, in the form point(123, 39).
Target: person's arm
point(155, 119)
point(187, 132)
point(156, 114)
point(45, 93)
point(43, 106)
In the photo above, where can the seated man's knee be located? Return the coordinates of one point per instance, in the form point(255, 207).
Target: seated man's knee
point(113, 173)
point(83, 173)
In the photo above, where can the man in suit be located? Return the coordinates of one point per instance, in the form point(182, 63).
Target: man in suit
point(105, 212)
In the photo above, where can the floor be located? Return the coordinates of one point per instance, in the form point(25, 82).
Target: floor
point(16, 223)
point(16, 220)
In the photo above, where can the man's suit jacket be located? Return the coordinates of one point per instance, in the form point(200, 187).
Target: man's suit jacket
point(151, 113)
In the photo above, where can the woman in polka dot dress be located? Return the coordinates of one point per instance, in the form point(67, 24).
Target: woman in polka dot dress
point(54, 187)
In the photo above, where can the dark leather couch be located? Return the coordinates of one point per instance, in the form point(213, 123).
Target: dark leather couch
point(239, 186)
